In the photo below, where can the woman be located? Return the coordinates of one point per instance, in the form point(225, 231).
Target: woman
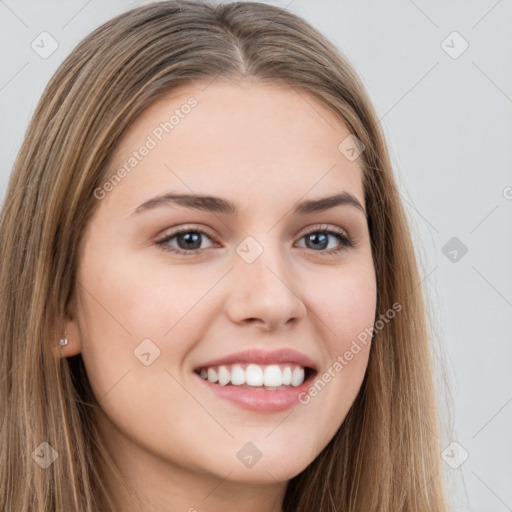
point(210, 295)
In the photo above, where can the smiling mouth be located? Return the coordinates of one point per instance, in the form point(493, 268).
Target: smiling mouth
point(272, 377)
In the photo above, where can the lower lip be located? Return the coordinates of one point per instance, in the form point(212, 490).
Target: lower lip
point(259, 399)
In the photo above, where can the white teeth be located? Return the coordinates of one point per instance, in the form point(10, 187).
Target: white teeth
point(237, 375)
point(212, 375)
point(297, 376)
point(224, 376)
point(254, 375)
point(270, 376)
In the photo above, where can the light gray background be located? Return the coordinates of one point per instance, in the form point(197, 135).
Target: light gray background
point(448, 122)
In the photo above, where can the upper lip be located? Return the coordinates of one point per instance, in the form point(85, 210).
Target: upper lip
point(258, 356)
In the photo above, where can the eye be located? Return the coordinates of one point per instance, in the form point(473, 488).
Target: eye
point(318, 240)
point(188, 241)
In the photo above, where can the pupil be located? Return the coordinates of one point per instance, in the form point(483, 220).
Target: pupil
point(192, 240)
point(314, 238)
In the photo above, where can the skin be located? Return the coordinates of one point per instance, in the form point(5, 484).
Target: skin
point(266, 148)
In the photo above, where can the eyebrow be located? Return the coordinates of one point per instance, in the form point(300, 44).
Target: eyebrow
point(219, 205)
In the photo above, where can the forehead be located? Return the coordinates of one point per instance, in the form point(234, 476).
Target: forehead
point(237, 139)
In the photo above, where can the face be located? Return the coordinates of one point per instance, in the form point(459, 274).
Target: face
point(256, 278)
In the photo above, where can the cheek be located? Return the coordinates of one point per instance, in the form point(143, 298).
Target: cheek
point(127, 316)
point(345, 302)
point(137, 300)
point(129, 309)
point(344, 312)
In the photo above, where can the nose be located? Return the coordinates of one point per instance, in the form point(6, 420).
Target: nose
point(265, 293)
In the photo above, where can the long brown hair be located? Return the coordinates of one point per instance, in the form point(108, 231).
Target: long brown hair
point(384, 456)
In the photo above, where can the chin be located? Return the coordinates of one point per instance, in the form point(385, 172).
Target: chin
point(268, 470)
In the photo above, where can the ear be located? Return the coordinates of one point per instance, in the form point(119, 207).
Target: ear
point(73, 334)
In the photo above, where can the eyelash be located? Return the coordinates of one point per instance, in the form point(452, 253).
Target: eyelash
point(346, 241)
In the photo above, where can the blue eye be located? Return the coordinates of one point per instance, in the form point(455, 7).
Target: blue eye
point(320, 240)
point(189, 241)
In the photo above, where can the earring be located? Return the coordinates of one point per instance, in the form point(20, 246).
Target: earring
point(63, 341)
